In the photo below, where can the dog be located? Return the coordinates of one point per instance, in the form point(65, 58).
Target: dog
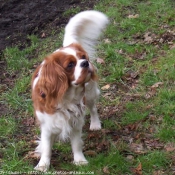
point(64, 84)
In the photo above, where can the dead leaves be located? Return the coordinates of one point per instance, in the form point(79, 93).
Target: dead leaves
point(153, 90)
point(168, 37)
point(130, 75)
point(151, 144)
point(169, 147)
point(98, 143)
point(150, 94)
point(133, 16)
point(106, 87)
point(28, 121)
point(32, 155)
point(90, 153)
point(106, 170)
point(43, 35)
point(156, 85)
point(137, 170)
point(107, 41)
point(158, 172)
point(149, 37)
point(137, 148)
point(100, 61)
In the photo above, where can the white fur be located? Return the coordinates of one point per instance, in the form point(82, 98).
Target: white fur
point(68, 121)
point(85, 28)
point(37, 78)
point(78, 71)
point(70, 51)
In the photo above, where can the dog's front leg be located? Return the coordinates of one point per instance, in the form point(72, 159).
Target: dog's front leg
point(95, 121)
point(76, 143)
point(92, 95)
point(44, 148)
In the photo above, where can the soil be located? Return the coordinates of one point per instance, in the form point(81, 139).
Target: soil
point(20, 18)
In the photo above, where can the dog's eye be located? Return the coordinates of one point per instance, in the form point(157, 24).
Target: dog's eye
point(71, 65)
point(83, 57)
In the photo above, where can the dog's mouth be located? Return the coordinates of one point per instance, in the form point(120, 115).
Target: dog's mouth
point(86, 75)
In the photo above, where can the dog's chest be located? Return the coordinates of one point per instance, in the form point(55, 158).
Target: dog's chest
point(64, 120)
point(68, 116)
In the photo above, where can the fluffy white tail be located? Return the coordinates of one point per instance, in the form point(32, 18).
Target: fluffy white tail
point(85, 29)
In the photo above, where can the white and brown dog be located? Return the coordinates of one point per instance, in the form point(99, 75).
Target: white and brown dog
point(64, 83)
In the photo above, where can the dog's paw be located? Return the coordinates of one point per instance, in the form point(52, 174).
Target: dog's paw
point(41, 168)
point(79, 159)
point(95, 126)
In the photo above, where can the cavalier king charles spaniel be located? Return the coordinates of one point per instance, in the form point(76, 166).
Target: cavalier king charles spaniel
point(64, 84)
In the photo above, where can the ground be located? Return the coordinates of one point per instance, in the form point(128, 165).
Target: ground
point(18, 19)
point(136, 79)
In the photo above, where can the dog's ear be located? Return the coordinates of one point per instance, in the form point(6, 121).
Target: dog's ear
point(52, 84)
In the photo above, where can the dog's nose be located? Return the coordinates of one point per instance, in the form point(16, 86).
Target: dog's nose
point(84, 64)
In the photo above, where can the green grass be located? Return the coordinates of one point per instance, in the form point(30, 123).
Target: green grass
point(8, 126)
point(153, 161)
point(71, 11)
point(139, 118)
point(19, 97)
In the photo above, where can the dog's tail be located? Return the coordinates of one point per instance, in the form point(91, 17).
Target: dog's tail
point(85, 29)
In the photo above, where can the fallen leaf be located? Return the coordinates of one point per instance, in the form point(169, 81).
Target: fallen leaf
point(104, 145)
point(150, 93)
point(130, 157)
point(107, 41)
point(142, 57)
point(133, 16)
point(172, 47)
point(106, 170)
point(32, 155)
point(138, 169)
point(130, 75)
point(137, 148)
point(43, 35)
point(121, 52)
point(134, 75)
point(90, 153)
point(106, 87)
point(170, 147)
point(170, 43)
point(100, 61)
point(156, 85)
point(161, 40)
point(148, 37)
point(158, 172)
point(153, 144)
point(107, 94)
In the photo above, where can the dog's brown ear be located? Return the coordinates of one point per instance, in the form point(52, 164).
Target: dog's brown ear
point(52, 84)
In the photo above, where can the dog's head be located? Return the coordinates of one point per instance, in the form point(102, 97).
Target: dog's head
point(66, 67)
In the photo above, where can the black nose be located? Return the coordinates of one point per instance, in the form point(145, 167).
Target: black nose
point(84, 64)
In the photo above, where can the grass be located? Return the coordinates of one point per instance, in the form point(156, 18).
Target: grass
point(136, 112)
